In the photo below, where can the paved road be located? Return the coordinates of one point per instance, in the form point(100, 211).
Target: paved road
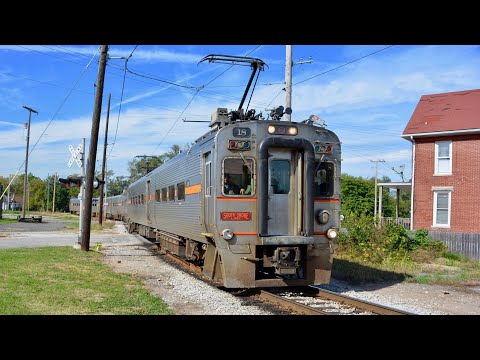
point(36, 235)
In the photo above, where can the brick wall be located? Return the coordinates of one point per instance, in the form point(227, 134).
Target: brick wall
point(465, 180)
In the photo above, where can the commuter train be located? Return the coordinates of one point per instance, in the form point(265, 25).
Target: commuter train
point(276, 227)
point(255, 202)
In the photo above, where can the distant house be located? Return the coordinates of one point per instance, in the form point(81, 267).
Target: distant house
point(445, 134)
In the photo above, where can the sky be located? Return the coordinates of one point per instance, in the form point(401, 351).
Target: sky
point(366, 94)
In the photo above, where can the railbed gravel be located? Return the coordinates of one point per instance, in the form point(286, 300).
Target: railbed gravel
point(183, 293)
point(187, 295)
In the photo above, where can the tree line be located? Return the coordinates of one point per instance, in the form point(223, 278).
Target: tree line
point(357, 193)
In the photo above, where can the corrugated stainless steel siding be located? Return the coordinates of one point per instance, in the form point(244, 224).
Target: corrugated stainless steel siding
point(179, 217)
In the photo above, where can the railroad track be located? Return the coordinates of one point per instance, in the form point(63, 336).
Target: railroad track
point(317, 301)
point(324, 302)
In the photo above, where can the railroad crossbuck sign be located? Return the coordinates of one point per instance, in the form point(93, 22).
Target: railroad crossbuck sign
point(75, 155)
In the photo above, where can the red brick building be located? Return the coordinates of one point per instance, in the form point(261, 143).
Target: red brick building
point(445, 134)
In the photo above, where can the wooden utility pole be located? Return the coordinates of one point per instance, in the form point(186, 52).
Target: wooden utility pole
point(30, 110)
point(86, 219)
point(54, 187)
point(100, 211)
point(48, 190)
point(288, 81)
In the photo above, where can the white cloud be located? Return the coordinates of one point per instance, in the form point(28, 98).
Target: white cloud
point(151, 54)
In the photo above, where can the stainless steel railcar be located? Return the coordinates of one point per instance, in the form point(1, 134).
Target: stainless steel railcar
point(74, 206)
point(115, 207)
point(280, 233)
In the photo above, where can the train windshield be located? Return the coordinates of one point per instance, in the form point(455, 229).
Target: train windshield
point(280, 176)
point(324, 179)
point(238, 176)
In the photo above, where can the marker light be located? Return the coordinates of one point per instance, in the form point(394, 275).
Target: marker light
point(238, 145)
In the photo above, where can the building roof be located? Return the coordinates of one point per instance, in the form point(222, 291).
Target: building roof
point(396, 185)
point(457, 111)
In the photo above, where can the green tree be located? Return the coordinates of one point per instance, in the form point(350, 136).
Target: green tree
point(117, 184)
point(358, 196)
point(143, 164)
point(140, 166)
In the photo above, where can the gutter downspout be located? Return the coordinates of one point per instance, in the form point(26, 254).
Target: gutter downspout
point(413, 181)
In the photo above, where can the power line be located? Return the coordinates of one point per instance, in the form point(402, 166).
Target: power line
point(121, 99)
point(46, 54)
point(274, 98)
point(161, 80)
point(194, 95)
point(59, 108)
point(171, 127)
point(348, 63)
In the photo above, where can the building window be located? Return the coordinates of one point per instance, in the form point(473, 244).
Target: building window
point(171, 193)
point(164, 194)
point(157, 195)
point(443, 158)
point(441, 208)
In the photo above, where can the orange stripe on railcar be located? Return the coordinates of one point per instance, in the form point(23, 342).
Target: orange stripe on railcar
point(194, 189)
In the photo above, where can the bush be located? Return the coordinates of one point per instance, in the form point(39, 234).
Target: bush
point(390, 243)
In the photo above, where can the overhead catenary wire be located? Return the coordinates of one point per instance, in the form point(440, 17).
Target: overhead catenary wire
point(198, 89)
point(340, 66)
point(171, 127)
point(121, 100)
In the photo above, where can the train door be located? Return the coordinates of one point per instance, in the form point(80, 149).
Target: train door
point(282, 190)
point(208, 215)
point(147, 208)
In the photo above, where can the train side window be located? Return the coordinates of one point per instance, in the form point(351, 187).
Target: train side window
point(324, 179)
point(181, 191)
point(238, 177)
point(171, 193)
point(157, 195)
point(164, 194)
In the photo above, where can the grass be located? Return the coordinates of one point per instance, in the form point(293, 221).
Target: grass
point(7, 221)
point(62, 280)
point(448, 269)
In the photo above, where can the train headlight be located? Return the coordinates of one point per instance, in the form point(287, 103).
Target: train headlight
point(332, 233)
point(323, 217)
point(282, 130)
point(227, 234)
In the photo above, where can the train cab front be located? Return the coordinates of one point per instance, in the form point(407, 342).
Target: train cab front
point(282, 231)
